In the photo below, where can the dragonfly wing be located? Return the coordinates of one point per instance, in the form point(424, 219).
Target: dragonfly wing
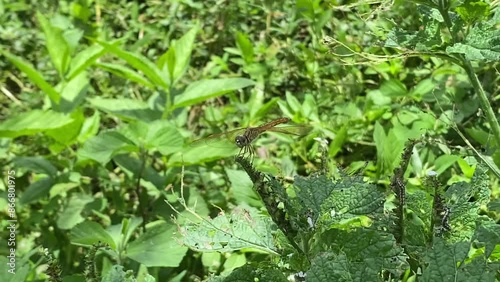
point(219, 140)
point(297, 130)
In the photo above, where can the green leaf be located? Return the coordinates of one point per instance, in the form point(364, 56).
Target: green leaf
point(293, 103)
point(201, 154)
point(158, 135)
point(34, 76)
point(135, 166)
point(36, 164)
point(73, 92)
point(37, 190)
point(157, 247)
point(361, 254)
point(90, 127)
point(305, 8)
point(474, 53)
point(202, 90)
point(243, 191)
point(126, 73)
point(170, 57)
point(183, 49)
point(128, 109)
point(446, 262)
point(245, 46)
point(117, 273)
point(84, 59)
point(443, 162)
point(393, 88)
point(104, 146)
point(71, 213)
point(471, 11)
point(250, 273)
point(56, 45)
point(33, 122)
point(88, 233)
point(139, 62)
point(488, 233)
point(67, 135)
point(243, 228)
point(62, 188)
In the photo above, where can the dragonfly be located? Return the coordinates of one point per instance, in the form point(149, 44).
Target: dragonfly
point(243, 137)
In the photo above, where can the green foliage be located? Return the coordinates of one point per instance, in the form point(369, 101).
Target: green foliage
point(101, 100)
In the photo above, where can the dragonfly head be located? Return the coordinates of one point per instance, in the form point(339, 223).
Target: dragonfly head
point(241, 141)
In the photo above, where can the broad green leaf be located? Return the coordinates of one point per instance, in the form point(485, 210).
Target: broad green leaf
point(202, 90)
point(245, 46)
point(104, 146)
point(71, 213)
point(126, 108)
point(443, 162)
point(84, 59)
point(158, 135)
point(37, 190)
point(135, 167)
point(126, 73)
point(157, 247)
point(90, 127)
point(243, 228)
point(36, 164)
point(183, 49)
point(488, 233)
point(471, 11)
point(293, 103)
point(170, 57)
point(393, 88)
point(305, 8)
point(446, 262)
point(34, 76)
point(474, 53)
point(88, 233)
point(139, 62)
point(73, 92)
point(243, 191)
point(56, 45)
point(33, 122)
point(201, 154)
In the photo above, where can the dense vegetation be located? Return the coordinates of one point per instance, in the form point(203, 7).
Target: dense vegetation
point(396, 180)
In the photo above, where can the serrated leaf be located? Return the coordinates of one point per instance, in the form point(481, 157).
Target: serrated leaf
point(157, 247)
point(249, 273)
point(473, 53)
point(202, 90)
point(243, 228)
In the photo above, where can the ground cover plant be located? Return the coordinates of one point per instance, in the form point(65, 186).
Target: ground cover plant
point(396, 180)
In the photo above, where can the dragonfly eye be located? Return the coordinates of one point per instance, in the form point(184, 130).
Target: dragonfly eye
point(240, 141)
